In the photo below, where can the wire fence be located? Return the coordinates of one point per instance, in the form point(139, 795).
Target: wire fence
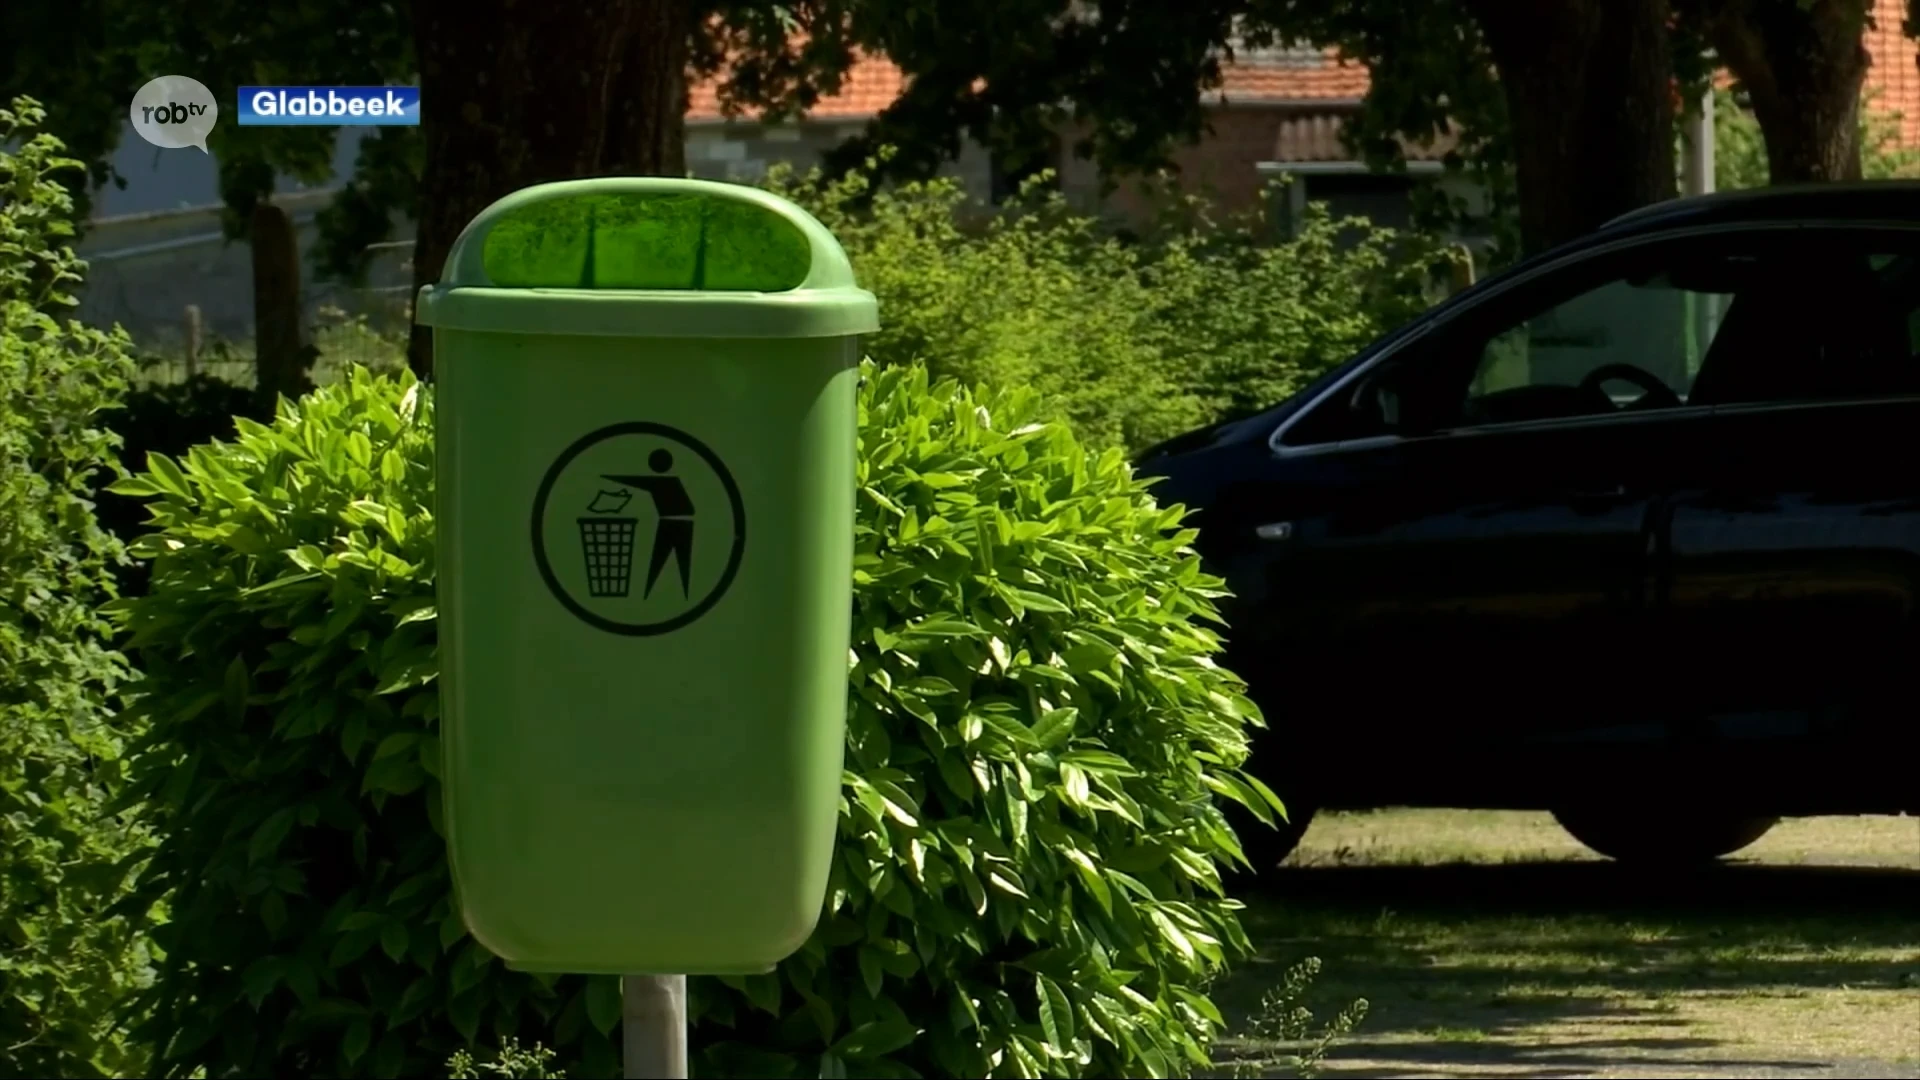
point(184, 292)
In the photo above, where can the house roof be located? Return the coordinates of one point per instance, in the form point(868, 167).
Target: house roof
point(870, 85)
point(1306, 76)
point(1313, 76)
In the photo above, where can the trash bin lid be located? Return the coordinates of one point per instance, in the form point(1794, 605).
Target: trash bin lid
point(648, 256)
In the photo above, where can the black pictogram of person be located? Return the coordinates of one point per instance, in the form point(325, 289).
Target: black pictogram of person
point(674, 508)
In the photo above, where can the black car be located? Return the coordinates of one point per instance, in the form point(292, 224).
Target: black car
point(1629, 532)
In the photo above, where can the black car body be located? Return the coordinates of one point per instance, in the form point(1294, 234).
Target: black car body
point(1631, 530)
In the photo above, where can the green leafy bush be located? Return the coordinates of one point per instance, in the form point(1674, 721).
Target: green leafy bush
point(64, 962)
point(511, 1062)
point(1283, 1022)
point(1028, 875)
point(1255, 321)
point(168, 418)
point(1135, 342)
point(288, 764)
point(1028, 881)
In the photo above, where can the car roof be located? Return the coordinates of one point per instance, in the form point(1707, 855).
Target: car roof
point(1853, 201)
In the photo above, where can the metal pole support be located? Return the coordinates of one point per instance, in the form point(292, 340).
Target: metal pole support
point(653, 1026)
point(1697, 149)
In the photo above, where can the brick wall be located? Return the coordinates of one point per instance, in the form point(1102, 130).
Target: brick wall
point(1223, 166)
point(743, 151)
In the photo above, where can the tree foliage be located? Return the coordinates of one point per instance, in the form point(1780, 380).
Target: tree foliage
point(1740, 152)
point(66, 960)
point(1132, 342)
point(1124, 77)
point(1801, 65)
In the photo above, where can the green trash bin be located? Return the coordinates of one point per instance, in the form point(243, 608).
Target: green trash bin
point(645, 400)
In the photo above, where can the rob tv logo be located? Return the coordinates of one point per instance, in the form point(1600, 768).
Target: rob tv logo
point(329, 106)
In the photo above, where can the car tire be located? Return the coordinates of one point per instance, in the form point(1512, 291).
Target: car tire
point(1669, 839)
point(1266, 846)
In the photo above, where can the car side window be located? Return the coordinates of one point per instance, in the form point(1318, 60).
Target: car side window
point(1758, 318)
point(1631, 343)
point(1834, 323)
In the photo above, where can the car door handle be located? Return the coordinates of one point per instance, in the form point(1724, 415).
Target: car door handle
point(1278, 530)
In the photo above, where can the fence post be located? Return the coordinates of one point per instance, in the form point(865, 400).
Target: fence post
point(195, 331)
point(280, 360)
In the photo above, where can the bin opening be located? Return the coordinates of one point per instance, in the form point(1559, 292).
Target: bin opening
point(646, 240)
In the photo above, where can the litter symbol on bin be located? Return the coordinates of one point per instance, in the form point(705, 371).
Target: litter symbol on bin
point(636, 496)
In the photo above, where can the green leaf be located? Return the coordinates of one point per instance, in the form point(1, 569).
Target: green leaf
point(361, 920)
point(260, 978)
point(351, 947)
point(1089, 656)
point(267, 837)
point(1090, 876)
point(872, 970)
point(354, 1043)
point(396, 743)
point(1055, 728)
point(1056, 1016)
point(135, 486)
point(1037, 601)
point(237, 687)
point(452, 929)
point(876, 1039)
point(942, 628)
point(1172, 934)
point(393, 940)
point(603, 1003)
point(1015, 731)
point(164, 473)
point(464, 1011)
point(1073, 785)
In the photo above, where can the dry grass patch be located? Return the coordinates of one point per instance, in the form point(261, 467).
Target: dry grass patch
point(1490, 944)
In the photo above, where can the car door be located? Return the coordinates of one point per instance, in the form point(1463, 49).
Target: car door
point(1462, 591)
point(1795, 530)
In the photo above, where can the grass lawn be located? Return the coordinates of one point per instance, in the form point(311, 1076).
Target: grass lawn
point(1491, 944)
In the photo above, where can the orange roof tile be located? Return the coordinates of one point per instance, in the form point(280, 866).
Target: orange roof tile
point(1265, 76)
point(1319, 75)
point(870, 85)
point(1290, 75)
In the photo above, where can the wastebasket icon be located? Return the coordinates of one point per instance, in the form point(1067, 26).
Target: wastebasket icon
point(608, 545)
point(644, 474)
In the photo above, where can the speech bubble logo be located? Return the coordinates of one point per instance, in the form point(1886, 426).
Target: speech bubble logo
point(174, 112)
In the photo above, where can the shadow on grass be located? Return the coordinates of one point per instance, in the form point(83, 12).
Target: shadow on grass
point(1582, 1060)
point(1569, 887)
point(1477, 963)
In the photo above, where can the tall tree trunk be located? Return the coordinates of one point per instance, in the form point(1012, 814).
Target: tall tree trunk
point(1589, 87)
point(1803, 65)
point(519, 92)
point(280, 359)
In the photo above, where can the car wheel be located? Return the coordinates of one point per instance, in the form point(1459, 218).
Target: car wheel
point(1669, 839)
point(1266, 846)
